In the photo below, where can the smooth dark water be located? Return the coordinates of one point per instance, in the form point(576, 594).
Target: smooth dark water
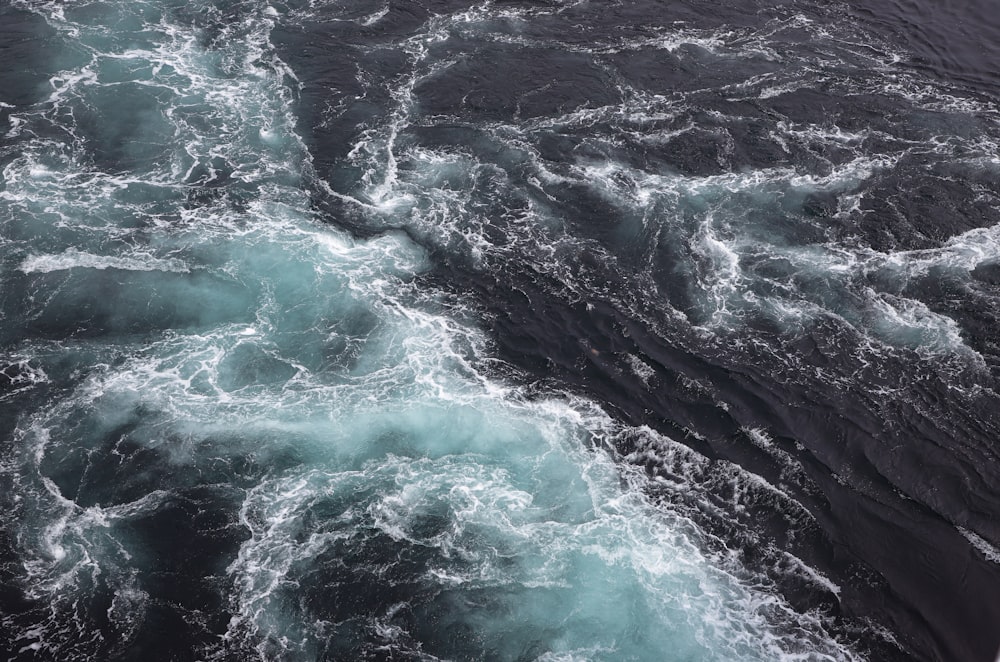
point(514, 330)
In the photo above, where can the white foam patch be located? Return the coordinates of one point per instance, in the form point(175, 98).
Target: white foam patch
point(985, 548)
point(910, 323)
point(374, 17)
point(21, 374)
point(74, 259)
point(642, 370)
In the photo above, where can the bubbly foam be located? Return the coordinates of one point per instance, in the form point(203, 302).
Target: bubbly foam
point(72, 259)
point(356, 412)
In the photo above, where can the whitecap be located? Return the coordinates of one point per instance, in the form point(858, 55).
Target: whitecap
point(74, 259)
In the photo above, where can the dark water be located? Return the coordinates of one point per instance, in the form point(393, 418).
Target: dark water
point(503, 331)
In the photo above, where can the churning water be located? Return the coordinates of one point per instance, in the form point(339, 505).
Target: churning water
point(500, 331)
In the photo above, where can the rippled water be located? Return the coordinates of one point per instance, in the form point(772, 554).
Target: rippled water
point(513, 331)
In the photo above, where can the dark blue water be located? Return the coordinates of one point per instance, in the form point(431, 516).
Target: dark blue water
point(502, 331)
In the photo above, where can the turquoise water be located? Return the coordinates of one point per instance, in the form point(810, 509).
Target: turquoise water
point(217, 384)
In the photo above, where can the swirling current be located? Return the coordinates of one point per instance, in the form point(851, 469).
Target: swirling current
point(503, 330)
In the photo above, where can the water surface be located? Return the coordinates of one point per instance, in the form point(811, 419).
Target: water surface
point(506, 331)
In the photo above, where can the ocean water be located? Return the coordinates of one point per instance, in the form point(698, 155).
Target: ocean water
point(441, 330)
